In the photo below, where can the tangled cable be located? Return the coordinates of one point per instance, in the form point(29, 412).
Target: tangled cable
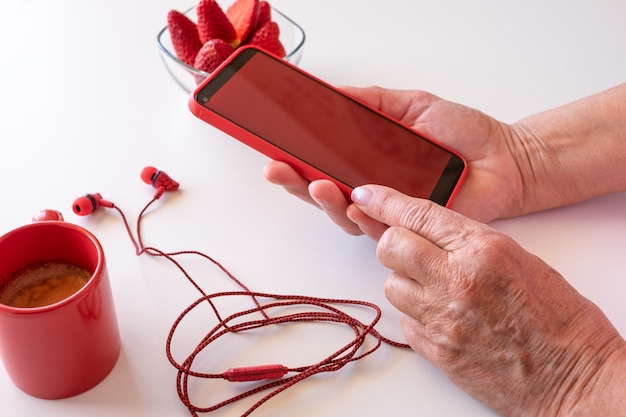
point(274, 378)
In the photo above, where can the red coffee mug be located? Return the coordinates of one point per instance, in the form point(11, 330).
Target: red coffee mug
point(66, 348)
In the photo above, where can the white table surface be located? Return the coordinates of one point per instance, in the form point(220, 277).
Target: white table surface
point(85, 104)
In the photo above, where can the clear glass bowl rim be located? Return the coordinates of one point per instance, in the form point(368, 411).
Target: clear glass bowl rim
point(172, 55)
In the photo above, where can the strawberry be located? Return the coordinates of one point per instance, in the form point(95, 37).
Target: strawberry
point(213, 23)
point(212, 54)
point(184, 35)
point(265, 13)
point(243, 14)
point(267, 37)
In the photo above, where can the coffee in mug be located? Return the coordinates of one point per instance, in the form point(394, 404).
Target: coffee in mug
point(43, 283)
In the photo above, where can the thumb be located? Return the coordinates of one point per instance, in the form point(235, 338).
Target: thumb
point(433, 222)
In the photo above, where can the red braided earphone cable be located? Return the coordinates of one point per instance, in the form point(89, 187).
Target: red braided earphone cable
point(275, 374)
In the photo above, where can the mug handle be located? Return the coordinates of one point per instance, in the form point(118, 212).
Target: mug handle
point(47, 215)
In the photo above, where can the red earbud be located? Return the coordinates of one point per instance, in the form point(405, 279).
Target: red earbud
point(159, 180)
point(87, 204)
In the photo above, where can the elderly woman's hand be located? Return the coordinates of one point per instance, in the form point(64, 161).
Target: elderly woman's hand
point(498, 321)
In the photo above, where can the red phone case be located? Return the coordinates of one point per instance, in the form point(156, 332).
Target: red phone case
point(304, 169)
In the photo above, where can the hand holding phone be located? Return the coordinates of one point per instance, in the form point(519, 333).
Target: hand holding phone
point(291, 116)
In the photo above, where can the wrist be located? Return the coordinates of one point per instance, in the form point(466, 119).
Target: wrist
point(572, 153)
point(603, 394)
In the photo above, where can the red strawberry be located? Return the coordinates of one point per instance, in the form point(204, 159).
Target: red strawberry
point(267, 37)
point(213, 23)
point(265, 13)
point(243, 14)
point(212, 54)
point(184, 35)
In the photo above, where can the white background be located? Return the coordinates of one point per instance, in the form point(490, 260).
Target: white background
point(85, 104)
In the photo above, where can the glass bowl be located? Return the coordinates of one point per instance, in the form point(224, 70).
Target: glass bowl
point(291, 36)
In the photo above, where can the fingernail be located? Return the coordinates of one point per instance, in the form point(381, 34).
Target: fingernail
point(321, 204)
point(362, 196)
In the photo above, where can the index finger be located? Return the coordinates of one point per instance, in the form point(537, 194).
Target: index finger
point(441, 226)
point(283, 174)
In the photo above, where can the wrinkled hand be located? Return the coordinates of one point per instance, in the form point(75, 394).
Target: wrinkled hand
point(498, 321)
point(493, 187)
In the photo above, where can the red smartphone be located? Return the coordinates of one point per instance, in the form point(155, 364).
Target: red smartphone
point(292, 116)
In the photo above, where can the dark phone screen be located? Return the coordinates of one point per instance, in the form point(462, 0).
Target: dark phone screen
point(329, 131)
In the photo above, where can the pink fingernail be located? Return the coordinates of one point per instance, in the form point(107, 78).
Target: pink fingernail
point(362, 196)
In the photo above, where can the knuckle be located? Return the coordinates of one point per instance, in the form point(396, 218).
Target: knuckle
point(388, 244)
point(485, 262)
point(405, 211)
point(416, 216)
